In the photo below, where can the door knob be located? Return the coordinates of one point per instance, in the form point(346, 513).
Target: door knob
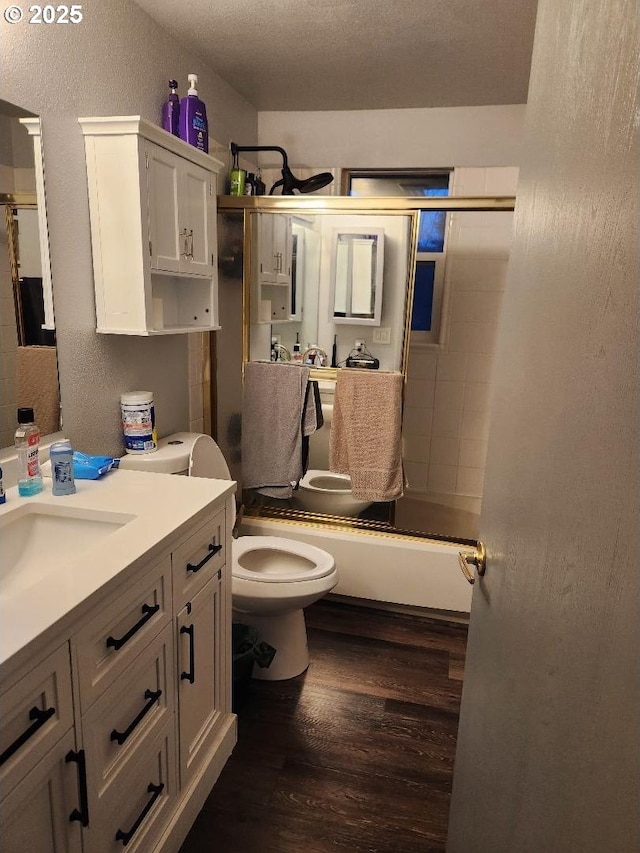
point(477, 558)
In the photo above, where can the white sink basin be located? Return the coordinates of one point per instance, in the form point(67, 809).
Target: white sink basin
point(37, 539)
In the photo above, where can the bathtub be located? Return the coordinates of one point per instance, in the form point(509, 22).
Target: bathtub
point(412, 572)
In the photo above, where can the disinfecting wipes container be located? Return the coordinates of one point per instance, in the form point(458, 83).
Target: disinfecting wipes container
point(139, 422)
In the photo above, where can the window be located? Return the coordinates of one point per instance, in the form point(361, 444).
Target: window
point(429, 272)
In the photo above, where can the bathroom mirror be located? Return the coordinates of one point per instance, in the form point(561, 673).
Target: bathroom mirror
point(28, 362)
point(315, 279)
point(448, 330)
point(357, 264)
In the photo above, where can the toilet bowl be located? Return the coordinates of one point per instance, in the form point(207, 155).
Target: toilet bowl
point(273, 578)
point(328, 493)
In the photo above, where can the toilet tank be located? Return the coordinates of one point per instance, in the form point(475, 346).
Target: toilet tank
point(181, 453)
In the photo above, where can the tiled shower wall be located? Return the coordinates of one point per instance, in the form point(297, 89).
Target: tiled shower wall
point(445, 424)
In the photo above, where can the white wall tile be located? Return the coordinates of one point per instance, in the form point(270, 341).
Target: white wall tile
point(444, 451)
point(473, 453)
point(416, 421)
point(479, 367)
point(476, 306)
point(476, 273)
point(422, 365)
point(197, 425)
point(472, 337)
point(196, 410)
point(449, 395)
point(452, 366)
point(419, 393)
point(416, 475)
point(476, 397)
point(442, 478)
point(470, 481)
point(475, 425)
point(447, 423)
point(415, 448)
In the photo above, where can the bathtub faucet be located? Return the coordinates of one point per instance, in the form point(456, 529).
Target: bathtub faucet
point(315, 356)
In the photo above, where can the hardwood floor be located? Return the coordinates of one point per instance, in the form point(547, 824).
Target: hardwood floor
point(354, 755)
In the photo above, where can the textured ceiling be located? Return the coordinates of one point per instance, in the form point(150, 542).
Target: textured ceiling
point(360, 54)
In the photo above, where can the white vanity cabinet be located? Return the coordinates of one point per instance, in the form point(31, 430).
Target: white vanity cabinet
point(273, 263)
point(152, 204)
point(115, 738)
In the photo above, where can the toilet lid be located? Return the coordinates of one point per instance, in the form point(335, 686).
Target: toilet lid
point(272, 559)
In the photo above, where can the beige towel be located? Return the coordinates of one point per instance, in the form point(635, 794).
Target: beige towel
point(37, 385)
point(365, 440)
point(272, 407)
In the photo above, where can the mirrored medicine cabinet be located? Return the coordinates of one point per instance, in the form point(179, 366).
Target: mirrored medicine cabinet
point(322, 271)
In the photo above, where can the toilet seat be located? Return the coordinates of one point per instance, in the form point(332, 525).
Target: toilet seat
point(327, 482)
point(273, 559)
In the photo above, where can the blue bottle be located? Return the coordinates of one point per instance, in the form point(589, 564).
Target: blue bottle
point(171, 110)
point(193, 118)
point(61, 456)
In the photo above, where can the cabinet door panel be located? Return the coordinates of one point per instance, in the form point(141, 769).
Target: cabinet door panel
point(34, 713)
point(197, 219)
point(200, 690)
point(167, 244)
point(34, 817)
point(282, 248)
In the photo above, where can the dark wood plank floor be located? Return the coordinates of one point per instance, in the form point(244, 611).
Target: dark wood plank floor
point(354, 755)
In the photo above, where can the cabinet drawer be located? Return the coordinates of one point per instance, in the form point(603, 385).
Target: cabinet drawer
point(118, 630)
point(34, 714)
point(198, 559)
point(116, 727)
point(133, 814)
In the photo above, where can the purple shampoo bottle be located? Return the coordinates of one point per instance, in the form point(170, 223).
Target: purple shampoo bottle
point(171, 110)
point(193, 118)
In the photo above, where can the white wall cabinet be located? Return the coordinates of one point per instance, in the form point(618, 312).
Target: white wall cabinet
point(116, 736)
point(152, 204)
point(273, 267)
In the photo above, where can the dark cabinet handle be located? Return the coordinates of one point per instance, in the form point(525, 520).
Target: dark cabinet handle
point(39, 717)
point(81, 814)
point(121, 737)
point(147, 612)
point(213, 550)
point(125, 837)
point(190, 676)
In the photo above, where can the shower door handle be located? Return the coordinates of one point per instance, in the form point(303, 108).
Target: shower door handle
point(477, 558)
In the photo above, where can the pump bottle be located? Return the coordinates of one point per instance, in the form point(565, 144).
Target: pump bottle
point(194, 128)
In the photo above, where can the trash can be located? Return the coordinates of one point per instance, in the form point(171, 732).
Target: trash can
point(247, 650)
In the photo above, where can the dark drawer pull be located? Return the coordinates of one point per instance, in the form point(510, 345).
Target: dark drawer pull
point(152, 696)
point(81, 814)
point(118, 642)
point(213, 550)
point(39, 717)
point(190, 676)
point(126, 837)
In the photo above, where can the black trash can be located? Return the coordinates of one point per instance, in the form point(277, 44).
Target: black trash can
point(247, 650)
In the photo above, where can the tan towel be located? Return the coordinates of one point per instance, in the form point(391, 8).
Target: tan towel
point(365, 440)
point(37, 385)
point(272, 407)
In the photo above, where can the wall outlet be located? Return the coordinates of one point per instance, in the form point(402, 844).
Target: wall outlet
point(382, 335)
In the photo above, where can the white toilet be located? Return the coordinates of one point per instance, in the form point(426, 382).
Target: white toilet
point(273, 578)
point(321, 490)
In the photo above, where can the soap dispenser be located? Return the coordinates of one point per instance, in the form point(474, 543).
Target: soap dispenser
point(194, 128)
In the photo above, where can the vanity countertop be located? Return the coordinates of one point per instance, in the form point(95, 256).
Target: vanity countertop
point(157, 508)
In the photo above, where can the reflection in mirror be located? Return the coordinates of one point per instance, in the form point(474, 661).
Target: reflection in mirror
point(356, 277)
point(28, 358)
point(293, 285)
point(453, 317)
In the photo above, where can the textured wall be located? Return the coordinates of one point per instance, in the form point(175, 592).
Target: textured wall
point(426, 138)
point(547, 757)
point(116, 62)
